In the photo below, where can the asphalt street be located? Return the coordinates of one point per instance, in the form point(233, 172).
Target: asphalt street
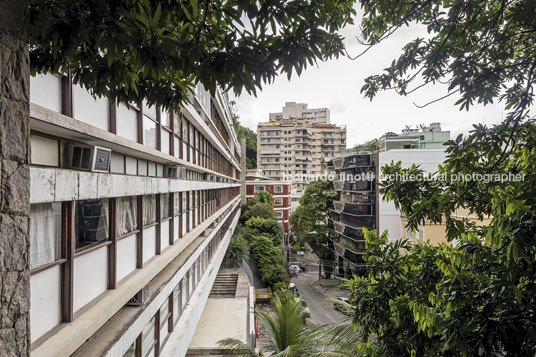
point(322, 311)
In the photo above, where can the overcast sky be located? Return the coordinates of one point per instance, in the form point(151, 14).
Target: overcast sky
point(336, 84)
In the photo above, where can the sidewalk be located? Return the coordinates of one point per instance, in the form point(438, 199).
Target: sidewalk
point(330, 291)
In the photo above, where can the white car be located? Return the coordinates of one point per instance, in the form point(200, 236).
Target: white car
point(293, 269)
point(300, 253)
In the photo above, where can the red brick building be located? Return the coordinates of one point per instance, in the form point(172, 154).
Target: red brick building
point(279, 189)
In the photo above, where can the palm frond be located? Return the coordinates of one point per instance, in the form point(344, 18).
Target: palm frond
point(285, 327)
point(341, 336)
point(237, 347)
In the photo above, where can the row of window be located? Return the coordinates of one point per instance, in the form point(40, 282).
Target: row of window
point(156, 333)
point(147, 125)
point(92, 219)
point(277, 189)
point(203, 152)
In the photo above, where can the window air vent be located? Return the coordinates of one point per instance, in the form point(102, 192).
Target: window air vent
point(89, 158)
point(140, 298)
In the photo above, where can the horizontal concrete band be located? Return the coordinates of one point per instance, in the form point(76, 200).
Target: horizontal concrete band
point(54, 185)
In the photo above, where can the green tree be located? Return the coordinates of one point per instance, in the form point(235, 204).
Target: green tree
point(285, 330)
point(270, 226)
point(251, 146)
point(483, 50)
point(262, 210)
point(265, 197)
point(236, 251)
point(158, 50)
point(316, 197)
point(479, 302)
point(301, 220)
point(475, 298)
point(248, 134)
point(268, 259)
point(312, 216)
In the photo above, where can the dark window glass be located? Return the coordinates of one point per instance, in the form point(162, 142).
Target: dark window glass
point(91, 222)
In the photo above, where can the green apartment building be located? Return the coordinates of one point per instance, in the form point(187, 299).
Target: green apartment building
point(424, 137)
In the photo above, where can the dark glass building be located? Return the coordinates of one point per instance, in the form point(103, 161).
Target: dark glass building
point(355, 208)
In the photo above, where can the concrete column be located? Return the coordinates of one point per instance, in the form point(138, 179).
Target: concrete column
point(243, 174)
point(14, 180)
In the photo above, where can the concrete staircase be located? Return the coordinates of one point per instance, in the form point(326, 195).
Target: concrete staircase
point(224, 286)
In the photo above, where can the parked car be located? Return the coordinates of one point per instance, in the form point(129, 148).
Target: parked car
point(305, 308)
point(293, 270)
point(343, 305)
point(300, 253)
point(301, 265)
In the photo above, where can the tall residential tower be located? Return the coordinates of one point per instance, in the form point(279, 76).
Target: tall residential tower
point(296, 145)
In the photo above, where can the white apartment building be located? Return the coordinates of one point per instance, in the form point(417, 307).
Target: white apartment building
point(300, 111)
point(390, 218)
point(132, 209)
point(297, 149)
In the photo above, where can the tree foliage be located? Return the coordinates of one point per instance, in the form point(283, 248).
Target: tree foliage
point(131, 50)
point(476, 298)
point(248, 134)
point(264, 234)
point(268, 259)
point(311, 216)
point(251, 146)
point(268, 226)
point(262, 210)
point(484, 50)
point(237, 251)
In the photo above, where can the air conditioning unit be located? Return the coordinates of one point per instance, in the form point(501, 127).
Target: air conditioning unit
point(172, 171)
point(90, 158)
point(140, 298)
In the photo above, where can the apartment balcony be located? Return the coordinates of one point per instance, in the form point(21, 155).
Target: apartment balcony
point(356, 209)
point(357, 186)
point(331, 224)
point(304, 158)
point(351, 256)
point(354, 234)
point(303, 133)
point(358, 222)
point(271, 152)
point(353, 161)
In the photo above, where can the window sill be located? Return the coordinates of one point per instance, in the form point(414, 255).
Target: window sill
point(91, 247)
point(126, 235)
point(150, 225)
point(47, 266)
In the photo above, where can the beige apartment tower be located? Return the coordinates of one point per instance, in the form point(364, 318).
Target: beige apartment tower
point(296, 145)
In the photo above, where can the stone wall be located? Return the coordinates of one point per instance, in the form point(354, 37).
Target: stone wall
point(14, 180)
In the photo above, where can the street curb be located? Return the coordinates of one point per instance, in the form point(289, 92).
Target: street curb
point(318, 292)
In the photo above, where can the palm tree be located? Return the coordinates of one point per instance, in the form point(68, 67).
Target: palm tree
point(285, 330)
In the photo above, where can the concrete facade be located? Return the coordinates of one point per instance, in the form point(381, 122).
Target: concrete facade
point(132, 208)
point(14, 180)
